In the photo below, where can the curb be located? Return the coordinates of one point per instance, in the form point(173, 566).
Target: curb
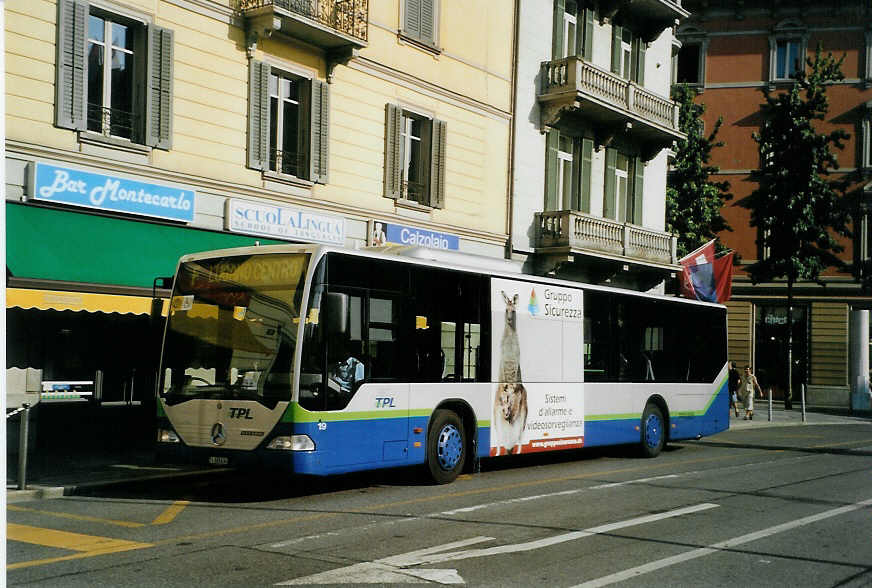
point(38, 492)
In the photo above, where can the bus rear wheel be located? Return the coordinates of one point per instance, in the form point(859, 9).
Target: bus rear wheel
point(446, 447)
point(653, 431)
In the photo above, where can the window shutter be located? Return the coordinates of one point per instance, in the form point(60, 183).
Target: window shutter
point(587, 34)
point(71, 74)
point(557, 35)
point(617, 35)
point(552, 143)
point(393, 169)
point(640, 48)
point(428, 21)
point(638, 185)
point(258, 115)
point(412, 18)
point(609, 208)
point(437, 164)
point(586, 172)
point(159, 94)
point(320, 131)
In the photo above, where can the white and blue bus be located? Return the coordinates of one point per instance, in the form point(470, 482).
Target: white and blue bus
point(319, 360)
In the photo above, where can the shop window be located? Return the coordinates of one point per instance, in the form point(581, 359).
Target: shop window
point(415, 147)
point(114, 76)
point(289, 123)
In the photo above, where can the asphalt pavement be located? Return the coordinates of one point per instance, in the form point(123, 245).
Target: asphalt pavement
point(58, 471)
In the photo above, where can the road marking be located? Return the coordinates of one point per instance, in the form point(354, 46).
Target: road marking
point(827, 445)
point(171, 512)
point(637, 571)
point(75, 517)
point(396, 569)
point(85, 545)
point(639, 481)
point(464, 510)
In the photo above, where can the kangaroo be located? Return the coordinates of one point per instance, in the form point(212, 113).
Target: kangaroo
point(510, 353)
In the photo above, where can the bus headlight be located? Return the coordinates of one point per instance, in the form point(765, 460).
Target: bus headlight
point(292, 443)
point(167, 436)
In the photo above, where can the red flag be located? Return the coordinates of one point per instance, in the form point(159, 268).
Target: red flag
point(723, 267)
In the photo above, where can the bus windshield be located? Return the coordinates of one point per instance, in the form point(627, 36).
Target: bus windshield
point(232, 328)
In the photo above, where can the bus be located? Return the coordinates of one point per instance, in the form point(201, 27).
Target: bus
point(318, 360)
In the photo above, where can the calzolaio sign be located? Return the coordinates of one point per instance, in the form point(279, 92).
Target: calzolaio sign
point(283, 222)
point(538, 403)
point(66, 185)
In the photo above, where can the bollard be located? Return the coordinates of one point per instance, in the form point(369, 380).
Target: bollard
point(22, 447)
point(770, 402)
point(802, 400)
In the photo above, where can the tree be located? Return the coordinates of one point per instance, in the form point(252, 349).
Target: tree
point(693, 201)
point(796, 208)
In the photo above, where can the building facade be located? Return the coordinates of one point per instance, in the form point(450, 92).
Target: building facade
point(730, 52)
point(141, 130)
point(592, 136)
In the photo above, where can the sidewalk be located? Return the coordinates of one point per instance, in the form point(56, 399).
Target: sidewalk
point(59, 472)
point(783, 418)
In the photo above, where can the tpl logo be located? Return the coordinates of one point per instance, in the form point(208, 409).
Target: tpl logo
point(240, 413)
point(384, 402)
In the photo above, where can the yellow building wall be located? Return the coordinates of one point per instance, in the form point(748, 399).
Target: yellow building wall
point(740, 332)
point(829, 344)
point(467, 84)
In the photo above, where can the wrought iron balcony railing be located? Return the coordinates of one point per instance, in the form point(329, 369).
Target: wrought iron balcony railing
point(348, 17)
point(290, 163)
point(582, 232)
point(112, 122)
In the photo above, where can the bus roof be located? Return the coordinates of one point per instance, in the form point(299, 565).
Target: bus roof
point(502, 268)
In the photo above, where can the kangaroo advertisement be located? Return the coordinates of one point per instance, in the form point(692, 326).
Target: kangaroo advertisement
point(538, 403)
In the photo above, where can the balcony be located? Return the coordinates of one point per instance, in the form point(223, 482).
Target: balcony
point(576, 93)
point(567, 231)
point(648, 17)
point(333, 25)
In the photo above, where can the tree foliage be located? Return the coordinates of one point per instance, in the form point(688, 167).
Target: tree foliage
point(797, 208)
point(693, 201)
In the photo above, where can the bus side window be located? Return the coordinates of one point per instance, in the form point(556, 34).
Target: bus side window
point(596, 337)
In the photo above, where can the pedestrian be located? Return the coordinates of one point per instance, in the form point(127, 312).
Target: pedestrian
point(749, 384)
point(734, 383)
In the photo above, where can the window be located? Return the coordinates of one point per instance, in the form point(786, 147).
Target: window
point(787, 49)
point(114, 75)
point(628, 55)
point(414, 157)
point(288, 123)
point(568, 172)
point(689, 65)
point(573, 30)
point(419, 20)
point(787, 58)
point(865, 137)
point(623, 187)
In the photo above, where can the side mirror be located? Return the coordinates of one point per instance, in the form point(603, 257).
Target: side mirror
point(337, 313)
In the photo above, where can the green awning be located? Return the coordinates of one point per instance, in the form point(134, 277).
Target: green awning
point(53, 244)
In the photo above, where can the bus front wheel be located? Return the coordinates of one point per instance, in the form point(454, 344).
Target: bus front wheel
point(653, 431)
point(446, 447)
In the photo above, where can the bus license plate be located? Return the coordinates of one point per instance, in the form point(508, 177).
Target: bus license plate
point(215, 460)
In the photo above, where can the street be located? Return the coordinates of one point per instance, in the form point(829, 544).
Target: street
point(778, 506)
